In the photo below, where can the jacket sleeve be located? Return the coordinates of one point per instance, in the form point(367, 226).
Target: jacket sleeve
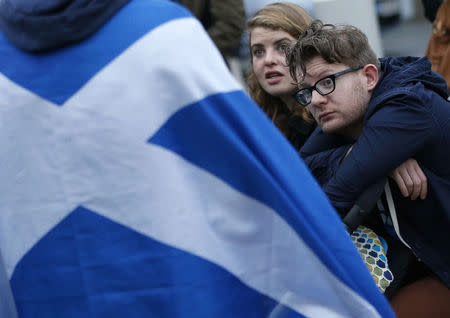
point(323, 165)
point(395, 132)
point(322, 153)
point(318, 141)
point(228, 23)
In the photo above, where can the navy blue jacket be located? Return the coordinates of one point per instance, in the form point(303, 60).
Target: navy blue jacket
point(408, 117)
point(40, 26)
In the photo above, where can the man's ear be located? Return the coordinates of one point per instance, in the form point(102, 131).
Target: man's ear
point(371, 73)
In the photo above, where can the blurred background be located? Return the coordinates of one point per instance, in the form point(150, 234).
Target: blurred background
point(407, 31)
point(394, 27)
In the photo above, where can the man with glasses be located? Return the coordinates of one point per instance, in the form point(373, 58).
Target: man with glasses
point(372, 116)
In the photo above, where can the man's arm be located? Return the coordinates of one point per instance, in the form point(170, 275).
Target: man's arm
point(323, 153)
point(393, 134)
point(323, 165)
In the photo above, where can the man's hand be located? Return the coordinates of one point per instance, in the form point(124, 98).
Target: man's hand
point(410, 179)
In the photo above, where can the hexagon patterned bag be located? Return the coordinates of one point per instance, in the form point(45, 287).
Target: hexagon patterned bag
point(373, 249)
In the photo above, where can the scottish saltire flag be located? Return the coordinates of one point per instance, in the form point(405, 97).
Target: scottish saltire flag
point(138, 180)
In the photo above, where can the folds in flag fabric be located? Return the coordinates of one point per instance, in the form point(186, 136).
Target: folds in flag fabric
point(139, 180)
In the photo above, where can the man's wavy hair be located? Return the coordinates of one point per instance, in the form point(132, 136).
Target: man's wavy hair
point(341, 43)
point(292, 19)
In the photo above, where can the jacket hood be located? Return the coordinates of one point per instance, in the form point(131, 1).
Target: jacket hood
point(37, 26)
point(408, 71)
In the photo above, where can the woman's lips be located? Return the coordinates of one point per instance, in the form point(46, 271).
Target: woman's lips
point(273, 77)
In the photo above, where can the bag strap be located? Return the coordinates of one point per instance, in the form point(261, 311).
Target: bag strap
point(393, 213)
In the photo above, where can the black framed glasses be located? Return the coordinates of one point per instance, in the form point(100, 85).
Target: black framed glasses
point(324, 86)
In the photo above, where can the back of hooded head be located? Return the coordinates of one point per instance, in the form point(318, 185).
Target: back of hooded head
point(39, 26)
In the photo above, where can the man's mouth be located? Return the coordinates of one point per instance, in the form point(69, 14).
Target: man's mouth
point(325, 116)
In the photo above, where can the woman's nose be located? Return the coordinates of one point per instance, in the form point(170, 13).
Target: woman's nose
point(271, 57)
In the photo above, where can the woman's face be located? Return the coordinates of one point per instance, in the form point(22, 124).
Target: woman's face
point(268, 49)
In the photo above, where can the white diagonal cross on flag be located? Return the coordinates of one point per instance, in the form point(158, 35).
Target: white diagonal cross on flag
point(94, 146)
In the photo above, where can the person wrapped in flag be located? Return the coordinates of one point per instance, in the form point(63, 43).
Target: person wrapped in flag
point(138, 178)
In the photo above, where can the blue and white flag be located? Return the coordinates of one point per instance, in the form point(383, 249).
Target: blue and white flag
point(139, 180)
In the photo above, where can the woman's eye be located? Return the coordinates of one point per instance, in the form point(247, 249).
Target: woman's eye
point(257, 52)
point(283, 47)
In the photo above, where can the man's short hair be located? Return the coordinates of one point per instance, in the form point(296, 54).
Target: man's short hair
point(341, 43)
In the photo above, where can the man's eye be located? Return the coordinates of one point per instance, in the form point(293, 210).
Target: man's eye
point(327, 82)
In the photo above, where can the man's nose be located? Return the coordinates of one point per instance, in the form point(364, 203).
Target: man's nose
point(317, 99)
